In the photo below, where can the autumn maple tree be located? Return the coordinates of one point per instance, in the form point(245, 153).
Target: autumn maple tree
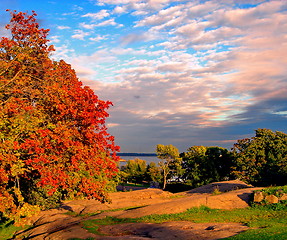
point(53, 141)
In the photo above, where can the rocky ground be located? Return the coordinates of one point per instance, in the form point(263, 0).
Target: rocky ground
point(57, 224)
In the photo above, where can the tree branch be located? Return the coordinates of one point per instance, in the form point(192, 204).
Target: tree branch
point(9, 65)
point(11, 80)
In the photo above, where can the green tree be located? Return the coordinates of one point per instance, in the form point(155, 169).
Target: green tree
point(262, 159)
point(206, 164)
point(135, 170)
point(218, 163)
point(171, 166)
point(154, 173)
point(193, 162)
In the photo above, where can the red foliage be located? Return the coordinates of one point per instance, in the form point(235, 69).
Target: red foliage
point(53, 133)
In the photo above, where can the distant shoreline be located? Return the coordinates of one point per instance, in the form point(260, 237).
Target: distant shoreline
point(148, 157)
point(136, 154)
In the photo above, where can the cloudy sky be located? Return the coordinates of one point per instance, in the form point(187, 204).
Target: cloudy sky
point(178, 72)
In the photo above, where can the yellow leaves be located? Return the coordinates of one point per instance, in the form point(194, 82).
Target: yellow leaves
point(17, 168)
point(18, 194)
point(23, 214)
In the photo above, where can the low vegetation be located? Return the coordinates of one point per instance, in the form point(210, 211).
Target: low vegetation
point(277, 191)
point(7, 229)
point(264, 222)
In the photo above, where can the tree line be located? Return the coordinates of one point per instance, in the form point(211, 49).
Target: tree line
point(260, 160)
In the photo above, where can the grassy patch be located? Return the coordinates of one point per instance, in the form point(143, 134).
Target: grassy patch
point(93, 225)
point(134, 185)
point(175, 196)
point(265, 223)
point(8, 229)
point(216, 191)
point(74, 214)
point(277, 191)
point(205, 214)
point(264, 230)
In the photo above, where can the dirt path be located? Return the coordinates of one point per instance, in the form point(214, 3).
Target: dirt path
point(57, 224)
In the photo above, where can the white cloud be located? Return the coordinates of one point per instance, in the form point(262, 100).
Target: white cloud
point(139, 13)
point(63, 27)
point(119, 10)
point(98, 38)
point(192, 64)
point(63, 52)
point(83, 71)
point(54, 39)
point(109, 22)
point(138, 37)
point(80, 34)
point(196, 10)
point(78, 8)
point(114, 2)
point(161, 17)
point(87, 26)
point(98, 16)
point(96, 58)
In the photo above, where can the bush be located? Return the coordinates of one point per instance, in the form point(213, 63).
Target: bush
point(279, 193)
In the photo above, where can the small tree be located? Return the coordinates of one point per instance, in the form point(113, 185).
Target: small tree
point(53, 140)
point(154, 173)
point(135, 170)
point(171, 166)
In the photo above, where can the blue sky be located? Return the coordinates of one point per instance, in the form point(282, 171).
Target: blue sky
point(178, 72)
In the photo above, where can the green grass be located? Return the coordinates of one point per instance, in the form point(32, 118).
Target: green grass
point(134, 185)
point(205, 214)
point(93, 225)
point(7, 230)
point(264, 222)
point(264, 230)
point(277, 191)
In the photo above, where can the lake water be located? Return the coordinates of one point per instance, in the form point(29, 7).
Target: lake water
point(148, 159)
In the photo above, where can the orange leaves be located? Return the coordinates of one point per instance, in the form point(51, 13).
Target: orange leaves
point(88, 187)
point(26, 32)
point(3, 175)
point(53, 139)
